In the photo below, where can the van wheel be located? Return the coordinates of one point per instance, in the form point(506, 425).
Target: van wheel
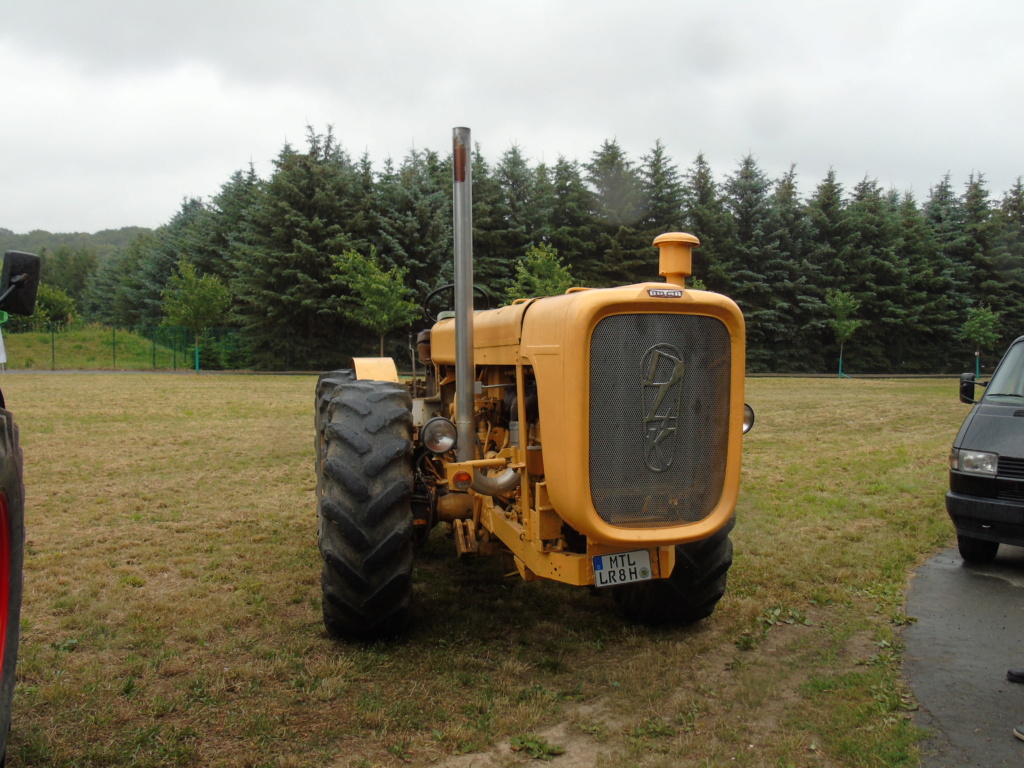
point(691, 592)
point(979, 551)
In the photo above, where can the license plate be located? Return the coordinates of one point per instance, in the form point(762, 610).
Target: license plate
point(623, 568)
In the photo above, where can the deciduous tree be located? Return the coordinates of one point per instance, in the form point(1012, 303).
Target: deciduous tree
point(377, 298)
point(540, 273)
point(981, 330)
point(842, 305)
point(195, 302)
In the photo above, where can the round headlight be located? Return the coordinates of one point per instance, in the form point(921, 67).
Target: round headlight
point(439, 435)
point(748, 418)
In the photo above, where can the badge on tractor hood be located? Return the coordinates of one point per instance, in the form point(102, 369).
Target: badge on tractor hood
point(664, 293)
point(662, 369)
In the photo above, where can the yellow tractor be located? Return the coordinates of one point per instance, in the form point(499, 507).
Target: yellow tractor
point(592, 438)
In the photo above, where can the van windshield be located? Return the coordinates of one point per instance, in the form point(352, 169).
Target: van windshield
point(1008, 382)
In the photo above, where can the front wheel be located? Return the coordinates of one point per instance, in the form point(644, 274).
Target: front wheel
point(364, 484)
point(691, 592)
point(976, 551)
point(12, 555)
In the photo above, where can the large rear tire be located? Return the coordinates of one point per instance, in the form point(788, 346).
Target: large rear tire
point(364, 483)
point(691, 592)
point(12, 556)
point(325, 389)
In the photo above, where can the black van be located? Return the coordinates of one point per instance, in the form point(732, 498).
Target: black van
point(986, 465)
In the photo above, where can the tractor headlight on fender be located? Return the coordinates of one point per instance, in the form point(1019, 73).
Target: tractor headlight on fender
point(439, 435)
point(973, 462)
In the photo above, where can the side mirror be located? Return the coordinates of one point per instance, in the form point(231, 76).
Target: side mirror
point(967, 388)
point(19, 283)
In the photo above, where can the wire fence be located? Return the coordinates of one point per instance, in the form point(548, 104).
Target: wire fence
point(97, 347)
point(79, 346)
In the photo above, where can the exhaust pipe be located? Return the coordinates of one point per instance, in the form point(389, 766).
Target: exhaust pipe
point(465, 370)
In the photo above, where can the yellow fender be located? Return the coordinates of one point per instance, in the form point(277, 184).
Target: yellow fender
point(375, 368)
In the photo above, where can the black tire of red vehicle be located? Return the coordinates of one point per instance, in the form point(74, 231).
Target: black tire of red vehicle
point(12, 556)
point(691, 592)
point(976, 551)
point(364, 483)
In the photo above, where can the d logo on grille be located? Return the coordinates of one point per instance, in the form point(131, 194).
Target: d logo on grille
point(662, 369)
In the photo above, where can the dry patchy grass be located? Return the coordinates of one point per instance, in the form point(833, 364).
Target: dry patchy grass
point(172, 594)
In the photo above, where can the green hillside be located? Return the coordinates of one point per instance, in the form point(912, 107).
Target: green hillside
point(39, 240)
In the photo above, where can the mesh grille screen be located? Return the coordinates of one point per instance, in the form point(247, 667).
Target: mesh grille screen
point(659, 410)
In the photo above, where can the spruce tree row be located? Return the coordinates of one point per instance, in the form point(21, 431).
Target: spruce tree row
point(914, 270)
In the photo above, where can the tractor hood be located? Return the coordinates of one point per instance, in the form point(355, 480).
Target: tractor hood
point(496, 336)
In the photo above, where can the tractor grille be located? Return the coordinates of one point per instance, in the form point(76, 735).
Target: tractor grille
point(659, 416)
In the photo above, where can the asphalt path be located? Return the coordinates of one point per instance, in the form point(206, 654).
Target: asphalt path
point(969, 630)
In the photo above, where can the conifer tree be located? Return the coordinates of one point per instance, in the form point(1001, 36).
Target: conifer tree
point(108, 298)
point(541, 205)
point(574, 231)
point(232, 207)
point(623, 247)
point(364, 221)
point(979, 235)
point(516, 182)
point(831, 232)
point(1008, 253)
point(661, 193)
point(933, 304)
point(706, 218)
point(746, 200)
point(945, 215)
point(187, 234)
point(831, 240)
point(796, 310)
point(975, 253)
point(286, 302)
point(500, 205)
point(878, 276)
point(415, 218)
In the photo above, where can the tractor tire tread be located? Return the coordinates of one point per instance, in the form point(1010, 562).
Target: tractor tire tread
point(364, 488)
point(693, 589)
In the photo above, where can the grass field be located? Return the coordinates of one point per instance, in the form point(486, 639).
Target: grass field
point(172, 616)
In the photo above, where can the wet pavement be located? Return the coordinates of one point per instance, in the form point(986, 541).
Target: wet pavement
point(969, 631)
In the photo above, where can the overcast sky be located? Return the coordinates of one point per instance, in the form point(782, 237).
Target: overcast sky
point(113, 111)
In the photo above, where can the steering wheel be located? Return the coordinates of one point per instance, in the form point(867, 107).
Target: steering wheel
point(450, 304)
